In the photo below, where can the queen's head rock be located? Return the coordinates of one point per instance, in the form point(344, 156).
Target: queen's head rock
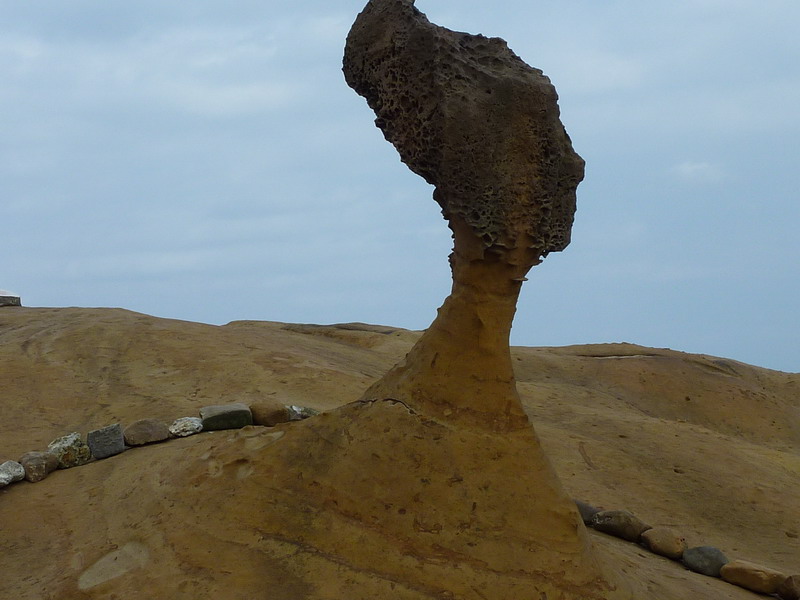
point(474, 120)
point(470, 117)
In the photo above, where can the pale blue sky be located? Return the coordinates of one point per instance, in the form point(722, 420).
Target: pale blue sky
point(206, 161)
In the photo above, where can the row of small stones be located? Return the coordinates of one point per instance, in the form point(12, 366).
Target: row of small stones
point(706, 560)
point(71, 451)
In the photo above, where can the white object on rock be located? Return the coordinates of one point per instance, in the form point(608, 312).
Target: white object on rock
point(298, 413)
point(11, 471)
point(186, 426)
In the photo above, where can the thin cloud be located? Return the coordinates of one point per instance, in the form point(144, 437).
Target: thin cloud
point(698, 172)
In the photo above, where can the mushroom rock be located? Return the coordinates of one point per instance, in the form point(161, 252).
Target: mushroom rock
point(436, 469)
point(433, 484)
point(469, 116)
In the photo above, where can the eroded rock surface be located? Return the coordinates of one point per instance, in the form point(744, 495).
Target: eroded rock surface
point(70, 450)
point(186, 426)
point(191, 494)
point(473, 119)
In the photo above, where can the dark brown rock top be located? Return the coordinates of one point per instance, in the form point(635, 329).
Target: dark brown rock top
point(473, 119)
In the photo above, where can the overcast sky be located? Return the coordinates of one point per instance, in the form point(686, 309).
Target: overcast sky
point(206, 161)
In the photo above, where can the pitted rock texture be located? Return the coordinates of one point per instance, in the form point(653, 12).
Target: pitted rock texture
point(70, 450)
point(186, 426)
point(471, 118)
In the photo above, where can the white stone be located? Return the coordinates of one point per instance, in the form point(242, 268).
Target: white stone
point(186, 426)
point(11, 471)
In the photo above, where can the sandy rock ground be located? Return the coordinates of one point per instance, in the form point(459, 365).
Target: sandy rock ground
point(707, 446)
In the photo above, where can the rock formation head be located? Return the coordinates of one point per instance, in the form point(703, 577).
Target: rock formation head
point(471, 118)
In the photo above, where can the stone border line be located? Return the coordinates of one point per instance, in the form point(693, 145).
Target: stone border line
point(706, 560)
point(71, 451)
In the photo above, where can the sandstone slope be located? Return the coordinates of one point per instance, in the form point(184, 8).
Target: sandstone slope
point(705, 445)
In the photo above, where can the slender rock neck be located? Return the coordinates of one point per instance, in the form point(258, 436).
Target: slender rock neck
point(460, 369)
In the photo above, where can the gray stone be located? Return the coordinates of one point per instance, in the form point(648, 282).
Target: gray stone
point(145, 431)
point(9, 299)
point(619, 523)
point(186, 426)
point(226, 416)
point(587, 511)
point(107, 441)
point(790, 588)
point(706, 560)
point(753, 577)
point(11, 471)
point(70, 450)
point(38, 465)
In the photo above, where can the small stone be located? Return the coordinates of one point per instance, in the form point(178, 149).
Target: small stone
point(790, 588)
point(298, 413)
point(186, 426)
point(619, 523)
point(145, 431)
point(11, 471)
point(664, 541)
point(107, 441)
point(705, 560)
point(587, 511)
point(9, 299)
point(226, 416)
point(753, 577)
point(38, 465)
point(268, 414)
point(70, 450)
